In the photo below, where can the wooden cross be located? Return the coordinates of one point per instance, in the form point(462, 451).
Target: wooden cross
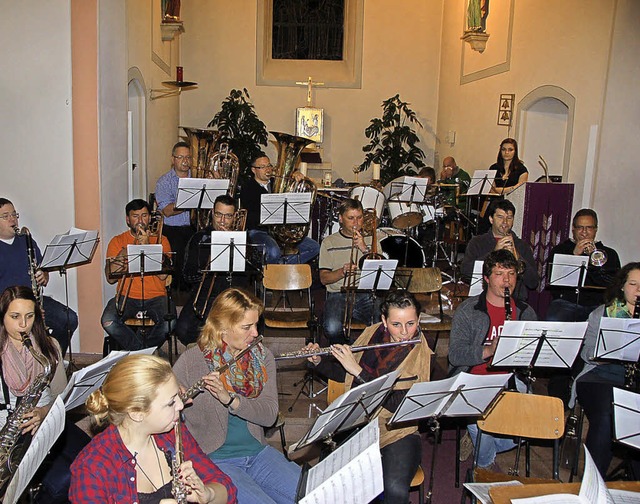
point(309, 83)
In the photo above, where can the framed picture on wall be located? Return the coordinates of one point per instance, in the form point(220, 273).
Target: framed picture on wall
point(309, 123)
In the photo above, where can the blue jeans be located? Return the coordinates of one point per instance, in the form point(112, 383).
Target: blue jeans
point(363, 308)
point(308, 249)
point(492, 445)
point(55, 315)
point(128, 338)
point(265, 478)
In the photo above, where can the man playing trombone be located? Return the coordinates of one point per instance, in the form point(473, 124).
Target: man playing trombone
point(499, 237)
point(339, 255)
point(129, 301)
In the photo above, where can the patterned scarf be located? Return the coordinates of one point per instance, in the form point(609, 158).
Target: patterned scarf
point(379, 361)
point(247, 375)
point(19, 368)
point(618, 309)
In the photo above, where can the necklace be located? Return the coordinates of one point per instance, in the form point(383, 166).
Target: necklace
point(155, 450)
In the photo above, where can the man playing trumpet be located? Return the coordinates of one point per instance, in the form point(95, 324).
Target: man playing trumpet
point(339, 255)
point(501, 237)
point(130, 302)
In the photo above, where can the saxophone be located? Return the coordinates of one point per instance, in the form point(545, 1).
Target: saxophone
point(13, 444)
point(178, 488)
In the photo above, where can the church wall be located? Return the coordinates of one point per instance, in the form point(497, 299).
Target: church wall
point(400, 55)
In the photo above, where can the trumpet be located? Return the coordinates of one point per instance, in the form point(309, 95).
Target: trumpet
point(303, 354)
point(597, 257)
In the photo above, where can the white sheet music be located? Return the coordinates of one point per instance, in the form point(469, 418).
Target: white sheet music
point(49, 430)
point(152, 258)
point(481, 490)
point(626, 416)
point(407, 189)
point(427, 399)
point(350, 475)
point(57, 252)
point(369, 272)
point(190, 190)
point(565, 270)
point(475, 289)
point(84, 381)
point(618, 339)
point(221, 250)
point(478, 182)
point(272, 208)
point(519, 339)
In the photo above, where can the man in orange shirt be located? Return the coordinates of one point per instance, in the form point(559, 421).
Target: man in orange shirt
point(146, 297)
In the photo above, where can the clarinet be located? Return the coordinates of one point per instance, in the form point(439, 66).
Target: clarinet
point(632, 371)
point(178, 488)
point(507, 304)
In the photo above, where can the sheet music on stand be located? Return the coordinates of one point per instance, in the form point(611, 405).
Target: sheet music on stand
point(618, 339)
point(626, 417)
point(73, 248)
point(44, 438)
point(352, 474)
point(461, 395)
point(481, 183)
point(84, 381)
point(221, 245)
point(199, 193)
point(285, 208)
point(475, 288)
point(524, 343)
point(377, 274)
point(351, 409)
point(407, 189)
point(152, 258)
point(566, 270)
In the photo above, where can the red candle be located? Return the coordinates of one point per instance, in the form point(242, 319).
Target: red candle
point(179, 73)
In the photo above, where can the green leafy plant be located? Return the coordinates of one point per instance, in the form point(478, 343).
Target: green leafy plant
point(393, 141)
point(240, 126)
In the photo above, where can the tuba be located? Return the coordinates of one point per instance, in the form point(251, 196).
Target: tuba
point(13, 444)
point(289, 148)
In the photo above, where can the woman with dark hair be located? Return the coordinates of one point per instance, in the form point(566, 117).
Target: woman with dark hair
point(511, 173)
point(401, 448)
point(132, 459)
point(229, 418)
point(594, 385)
point(22, 318)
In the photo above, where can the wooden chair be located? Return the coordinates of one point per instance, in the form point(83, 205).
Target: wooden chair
point(334, 390)
point(423, 283)
point(284, 281)
point(522, 416)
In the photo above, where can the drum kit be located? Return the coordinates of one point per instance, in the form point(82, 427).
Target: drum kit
point(406, 215)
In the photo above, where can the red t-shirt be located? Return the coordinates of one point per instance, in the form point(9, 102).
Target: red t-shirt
point(497, 315)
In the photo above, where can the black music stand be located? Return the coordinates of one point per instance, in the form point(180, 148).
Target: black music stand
point(65, 251)
point(481, 185)
point(199, 194)
point(619, 339)
point(568, 270)
point(463, 395)
point(529, 344)
point(626, 417)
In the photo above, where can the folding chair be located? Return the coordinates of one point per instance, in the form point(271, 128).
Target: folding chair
point(521, 416)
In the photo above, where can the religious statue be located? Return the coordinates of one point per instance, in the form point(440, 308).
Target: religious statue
point(170, 11)
point(477, 12)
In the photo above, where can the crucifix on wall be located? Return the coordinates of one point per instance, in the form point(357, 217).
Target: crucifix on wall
point(309, 119)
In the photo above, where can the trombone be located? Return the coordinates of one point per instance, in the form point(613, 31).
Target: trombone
point(200, 302)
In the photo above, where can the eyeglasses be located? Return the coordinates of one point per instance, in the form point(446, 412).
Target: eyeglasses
point(585, 228)
point(263, 167)
point(180, 158)
point(225, 216)
point(7, 216)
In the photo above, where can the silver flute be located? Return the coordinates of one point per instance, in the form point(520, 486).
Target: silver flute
point(303, 354)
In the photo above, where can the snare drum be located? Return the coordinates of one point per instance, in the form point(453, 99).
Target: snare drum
point(394, 246)
point(404, 215)
point(370, 197)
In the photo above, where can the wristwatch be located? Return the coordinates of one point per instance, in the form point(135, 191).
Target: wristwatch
point(232, 396)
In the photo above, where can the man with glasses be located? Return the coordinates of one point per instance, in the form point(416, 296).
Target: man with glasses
point(195, 311)
point(14, 270)
point(177, 223)
point(501, 236)
point(261, 183)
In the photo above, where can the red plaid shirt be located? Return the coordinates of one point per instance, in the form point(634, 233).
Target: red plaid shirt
point(105, 470)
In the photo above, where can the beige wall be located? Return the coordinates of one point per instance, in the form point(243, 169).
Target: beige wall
point(400, 55)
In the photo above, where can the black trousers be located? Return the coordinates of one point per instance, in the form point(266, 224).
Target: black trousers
point(178, 237)
point(400, 461)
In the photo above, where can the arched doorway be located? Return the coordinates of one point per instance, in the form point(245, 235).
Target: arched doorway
point(137, 165)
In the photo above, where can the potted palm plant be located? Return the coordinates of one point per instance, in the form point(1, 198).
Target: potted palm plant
point(393, 141)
